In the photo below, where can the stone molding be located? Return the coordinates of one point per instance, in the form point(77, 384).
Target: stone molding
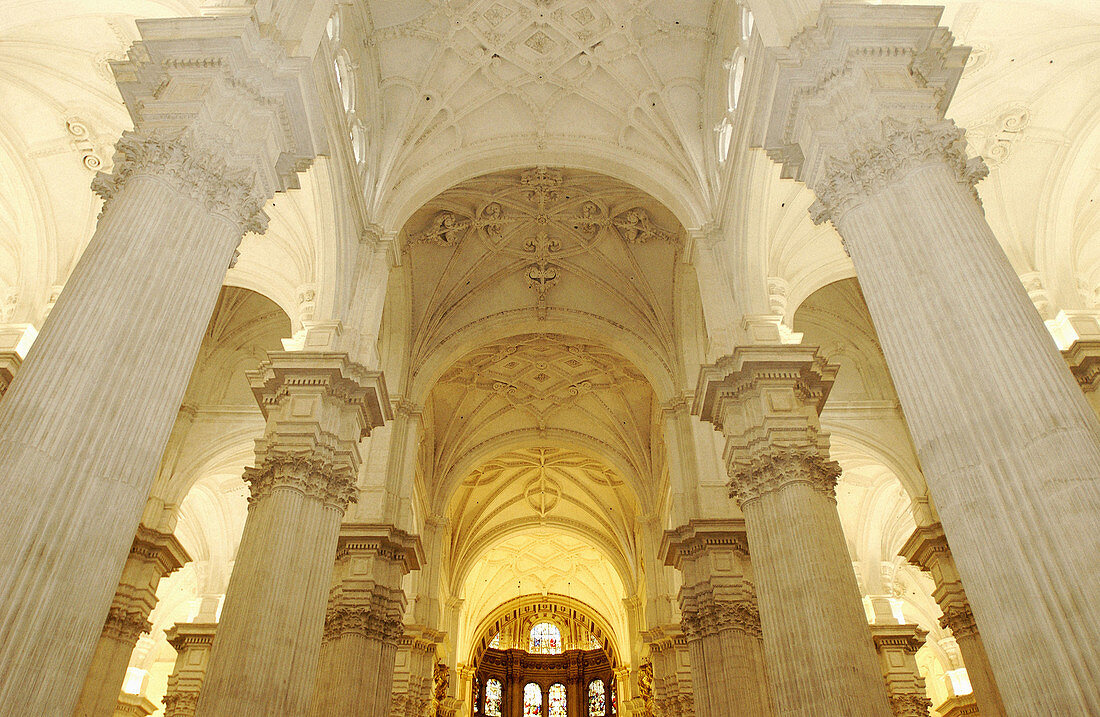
point(858, 101)
point(318, 406)
point(927, 548)
point(312, 475)
point(772, 468)
point(1083, 358)
point(218, 84)
point(199, 173)
point(153, 556)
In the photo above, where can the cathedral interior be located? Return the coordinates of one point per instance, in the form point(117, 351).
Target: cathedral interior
point(555, 358)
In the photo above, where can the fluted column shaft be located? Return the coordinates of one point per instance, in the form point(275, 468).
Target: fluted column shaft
point(1007, 442)
point(720, 619)
point(153, 555)
point(84, 423)
point(766, 400)
point(364, 621)
point(264, 658)
point(928, 550)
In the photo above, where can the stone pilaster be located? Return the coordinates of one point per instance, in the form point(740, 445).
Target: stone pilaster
point(766, 401)
point(85, 421)
point(720, 620)
point(1008, 444)
point(897, 647)
point(192, 642)
point(318, 407)
point(927, 549)
point(365, 620)
point(153, 556)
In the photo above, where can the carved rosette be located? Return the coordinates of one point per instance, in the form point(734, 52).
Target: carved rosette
point(875, 159)
point(197, 172)
point(959, 619)
point(125, 626)
point(311, 475)
point(772, 468)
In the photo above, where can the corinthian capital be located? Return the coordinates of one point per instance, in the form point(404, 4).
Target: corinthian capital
point(772, 468)
point(315, 474)
point(220, 111)
point(858, 101)
point(875, 157)
point(318, 406)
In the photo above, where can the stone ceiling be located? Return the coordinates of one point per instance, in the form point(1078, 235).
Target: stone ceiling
point(542, 392)
point(542, 248)
point(462, 77)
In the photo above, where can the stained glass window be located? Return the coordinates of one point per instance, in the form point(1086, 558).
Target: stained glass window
point(532, 700)
point(477, 690)
point(614, 699)
point(495, 644)
point(557, 701)
point(593, 643)
point(494, 694)
point(545, 639)
point(597, 706)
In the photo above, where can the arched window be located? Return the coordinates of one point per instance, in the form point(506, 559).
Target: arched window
point(614, 699)
point(532, 700)
point(495, 642)
point(343, 80)
point(494, 694)
point(557, 701)
point(736, 78)
point(747, 22)
point(597, 704)
point(477, 694)
point(545, 639)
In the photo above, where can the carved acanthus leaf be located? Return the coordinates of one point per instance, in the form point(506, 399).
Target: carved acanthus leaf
point(873, 159)
point(772, 467)
point(196, 171)
point(311, 474)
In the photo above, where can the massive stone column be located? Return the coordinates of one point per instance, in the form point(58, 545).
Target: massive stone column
point(153, 555)
point(192, 642)
point(1007, 442)
point(720, 619)
point(365, 620)
point(927, 549)
point(222, 121)
point(318, 406)
point(897, 647)
point(766, 400)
